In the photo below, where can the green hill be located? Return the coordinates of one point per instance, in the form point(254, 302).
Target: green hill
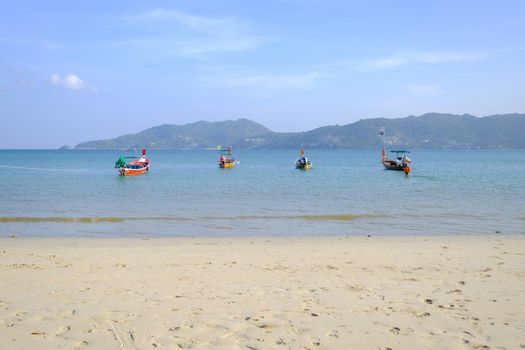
point(432, 130)
point(197, 135)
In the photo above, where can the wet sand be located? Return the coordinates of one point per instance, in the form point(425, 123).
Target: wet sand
point(439, 292)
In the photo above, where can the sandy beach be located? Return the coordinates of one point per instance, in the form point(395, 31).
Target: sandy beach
point(440, 292)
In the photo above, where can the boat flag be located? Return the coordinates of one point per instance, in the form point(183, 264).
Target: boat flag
point(301, 152)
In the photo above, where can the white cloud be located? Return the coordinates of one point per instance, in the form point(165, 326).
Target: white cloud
point(73, 82)
point(70, 81)
point(176, 33)
point(420, 58)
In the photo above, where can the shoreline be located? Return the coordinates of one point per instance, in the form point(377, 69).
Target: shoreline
point(131, 237)
point(299, 292)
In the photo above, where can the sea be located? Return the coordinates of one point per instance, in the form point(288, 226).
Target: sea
point(185, 193)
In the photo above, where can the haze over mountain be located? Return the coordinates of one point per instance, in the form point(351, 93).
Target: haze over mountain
point(431, 130)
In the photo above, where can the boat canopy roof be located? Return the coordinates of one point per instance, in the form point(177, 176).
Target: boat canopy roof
point(227, 151)
point(398, 151)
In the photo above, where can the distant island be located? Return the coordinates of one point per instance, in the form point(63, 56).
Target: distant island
point(431, 130)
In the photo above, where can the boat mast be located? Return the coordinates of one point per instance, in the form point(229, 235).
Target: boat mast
point(382, 134)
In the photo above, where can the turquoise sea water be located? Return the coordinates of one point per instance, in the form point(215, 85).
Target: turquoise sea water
point(78, 193)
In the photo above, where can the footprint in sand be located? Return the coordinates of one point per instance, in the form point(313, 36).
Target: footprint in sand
point(81, 345)
point(457, 291)
point(267, 327)
point(315, 341)
point(395, 330)
point(333, 333)
point(280, 341)
point(69, 313)
point(62, 330)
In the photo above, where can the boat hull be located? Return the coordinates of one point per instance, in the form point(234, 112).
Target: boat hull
point(133, 172)
point(226, 165)
point(304, 167)
point(391, 165)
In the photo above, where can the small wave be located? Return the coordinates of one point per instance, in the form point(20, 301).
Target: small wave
point(338, 217)
point(458, 216)
point(160, 218)
point(40, 169)
point(324, 217)
point(113, 219)
point(87, 220)
point(82, 220)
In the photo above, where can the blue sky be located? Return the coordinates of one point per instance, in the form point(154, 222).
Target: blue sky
point(72, 71)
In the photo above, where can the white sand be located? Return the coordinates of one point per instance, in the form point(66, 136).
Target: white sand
point(263, 293)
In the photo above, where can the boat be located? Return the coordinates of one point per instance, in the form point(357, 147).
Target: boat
point(400, 163)
point(226, 160)
point(302, 162)
point(135, 167)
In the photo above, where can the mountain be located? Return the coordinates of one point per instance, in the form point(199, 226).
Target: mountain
point(197, 135)
point(431, 130)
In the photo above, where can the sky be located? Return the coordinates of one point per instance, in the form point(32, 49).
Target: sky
point(73, 71)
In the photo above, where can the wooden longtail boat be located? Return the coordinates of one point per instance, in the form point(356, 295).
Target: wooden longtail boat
point(401, 163)
point(136, 167)
point(226, 160)
point(303, 163)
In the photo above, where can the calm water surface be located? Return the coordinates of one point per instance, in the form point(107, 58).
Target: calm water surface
point(65, 193)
